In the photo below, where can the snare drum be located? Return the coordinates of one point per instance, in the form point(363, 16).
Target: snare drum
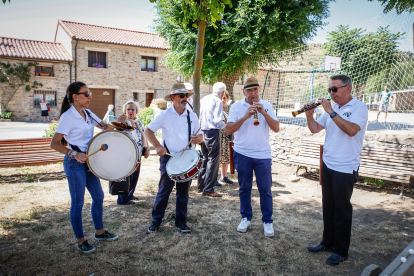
point(118, 161)
point(185, 167)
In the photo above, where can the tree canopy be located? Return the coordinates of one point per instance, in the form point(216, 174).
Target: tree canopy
point(247, 28)
point(399, 5)
point(363, 54)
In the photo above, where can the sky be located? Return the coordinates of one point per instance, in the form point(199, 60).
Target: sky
point(37, 19)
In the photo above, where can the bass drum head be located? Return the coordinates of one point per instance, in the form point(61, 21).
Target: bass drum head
point(184, 163)
point(118, 161)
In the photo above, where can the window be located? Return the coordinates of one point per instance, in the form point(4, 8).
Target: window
point(45, 95)
point(97, 59)
point(46, 71)
point(135, 95)
point(148, 64)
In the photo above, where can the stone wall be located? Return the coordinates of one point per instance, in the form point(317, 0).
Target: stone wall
point(124, 71)
point(286, 143)
point(22, 104)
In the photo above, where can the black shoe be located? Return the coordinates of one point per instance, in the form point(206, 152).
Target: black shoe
point(335, 259)
point(182, 226)
point(319, 248)
point(153, 227)
point(218, 184)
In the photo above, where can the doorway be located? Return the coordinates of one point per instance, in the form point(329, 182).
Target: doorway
point(101, 98)
point(148, 99)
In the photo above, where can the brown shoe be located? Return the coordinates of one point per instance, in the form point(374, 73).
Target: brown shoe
point(199, 191)
point(213, 194)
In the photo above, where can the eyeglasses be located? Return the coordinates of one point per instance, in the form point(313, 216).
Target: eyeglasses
point(182, 95)
point(335, 89)
point(86, 93)
point(131, 109)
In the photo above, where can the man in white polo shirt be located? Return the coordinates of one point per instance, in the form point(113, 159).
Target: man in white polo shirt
point(252, 152)
point(178, 126)
point(345, 123)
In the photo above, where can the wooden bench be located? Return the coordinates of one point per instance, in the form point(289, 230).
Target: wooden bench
point(392, 164)
point(396, 267)
point(23, 152)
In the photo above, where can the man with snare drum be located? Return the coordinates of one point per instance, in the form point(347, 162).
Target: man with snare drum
point(177, 124)
point(252, 152)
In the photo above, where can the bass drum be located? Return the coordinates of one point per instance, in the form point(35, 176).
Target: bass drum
point(118, 161)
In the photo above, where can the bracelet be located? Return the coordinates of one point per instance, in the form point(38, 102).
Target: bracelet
point(72, 154)
point(67, 152)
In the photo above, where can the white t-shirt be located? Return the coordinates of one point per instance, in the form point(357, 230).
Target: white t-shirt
point(174, 128)
point(75, 129)
point(250, 140)
point(43, 106)
point(341, 151)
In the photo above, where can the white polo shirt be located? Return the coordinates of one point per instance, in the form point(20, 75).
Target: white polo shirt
point(250, 140)
point(174, 128)
point(341, 151)
point(75, 129)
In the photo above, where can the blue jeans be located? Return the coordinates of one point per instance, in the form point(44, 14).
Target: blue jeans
point(79, 178)
point(263, 170)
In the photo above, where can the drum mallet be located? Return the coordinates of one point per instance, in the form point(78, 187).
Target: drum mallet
point(104, 147)
point(189, 142)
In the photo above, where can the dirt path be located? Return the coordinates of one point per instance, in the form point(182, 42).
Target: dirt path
point(36, 235)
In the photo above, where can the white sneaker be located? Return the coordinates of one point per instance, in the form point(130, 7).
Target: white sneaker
point(244, 225)
point(268, 229)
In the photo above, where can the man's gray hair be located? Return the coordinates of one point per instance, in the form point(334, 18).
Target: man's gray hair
point(346, 80)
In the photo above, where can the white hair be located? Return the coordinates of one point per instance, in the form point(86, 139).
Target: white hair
point(130, 102)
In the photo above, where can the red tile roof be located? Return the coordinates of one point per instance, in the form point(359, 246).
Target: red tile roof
point(95, 33)
point(33, 49)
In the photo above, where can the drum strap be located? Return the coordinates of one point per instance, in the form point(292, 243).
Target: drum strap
point(89, 114)
point(189, 128)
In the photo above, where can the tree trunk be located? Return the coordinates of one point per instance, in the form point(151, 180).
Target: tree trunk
point(229, 82)
point(198, 63)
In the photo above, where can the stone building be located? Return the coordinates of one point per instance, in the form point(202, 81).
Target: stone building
point(53, 71)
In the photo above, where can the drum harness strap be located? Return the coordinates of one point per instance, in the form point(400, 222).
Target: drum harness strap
point(76, 148)
point(189, 132)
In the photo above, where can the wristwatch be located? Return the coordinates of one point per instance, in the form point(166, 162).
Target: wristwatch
point(333, 114)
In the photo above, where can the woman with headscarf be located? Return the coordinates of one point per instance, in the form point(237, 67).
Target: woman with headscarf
point(131, 109)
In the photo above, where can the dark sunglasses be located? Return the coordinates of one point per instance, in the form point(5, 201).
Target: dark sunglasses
point(182, 95)
point(87, 94)
point(130, 109)
point(335, 89)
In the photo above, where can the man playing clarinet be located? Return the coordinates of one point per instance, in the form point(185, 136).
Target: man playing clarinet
point(345, 123)
point(178, 126)
point(252, 152)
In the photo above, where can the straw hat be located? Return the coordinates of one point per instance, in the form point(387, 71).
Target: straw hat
point(251, 82)
point(177, 88)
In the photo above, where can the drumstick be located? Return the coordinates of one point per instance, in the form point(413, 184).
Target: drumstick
point(104, 147)
point(169, 154)
point(189, 142)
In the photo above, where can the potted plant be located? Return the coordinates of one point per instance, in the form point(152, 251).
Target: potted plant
point(52, 74)
point(97, 65)
point(36, 73)
point(149, 70)
point(44, 73)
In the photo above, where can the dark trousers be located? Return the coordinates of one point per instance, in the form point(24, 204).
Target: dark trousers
point(263, 170)
point(337, 188)
point(210, 148)
point(133, 181)
point(165, 187)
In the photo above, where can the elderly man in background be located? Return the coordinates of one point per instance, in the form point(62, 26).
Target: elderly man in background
point(211, 121)
point(345, 123)
point(189, 88)
point(252, 152)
